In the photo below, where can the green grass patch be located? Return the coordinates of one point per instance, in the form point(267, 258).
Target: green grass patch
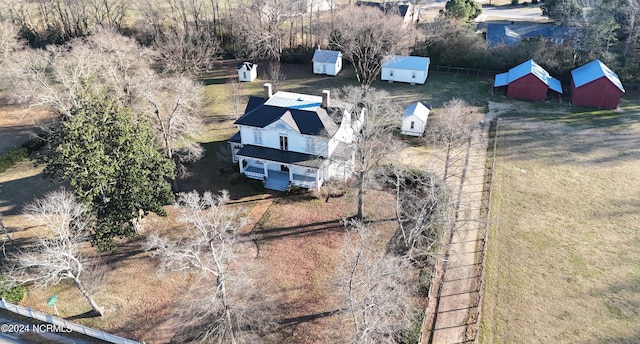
point(12, 157)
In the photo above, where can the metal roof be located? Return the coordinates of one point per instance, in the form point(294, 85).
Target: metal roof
point(406, 62)
point(501, 80)
point(276, 155)
point(302, 113)
point(295, 101)
point(326, 56)
point(592, 71)
point(526, 68)
point(504, 34)
point(419, 110)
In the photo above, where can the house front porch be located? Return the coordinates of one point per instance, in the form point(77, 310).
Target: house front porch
point(279, 169)
point(279, 179)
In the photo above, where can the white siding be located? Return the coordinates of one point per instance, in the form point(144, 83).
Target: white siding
point(327, 68)
point(404, 75)
point(247, 75)
point(418, 127)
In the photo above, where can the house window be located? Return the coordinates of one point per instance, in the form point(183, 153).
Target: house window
point(413, 124)
point(310, 148)
point(244, 75)
point(284, 143)
point(257, 136)
point(284, 168)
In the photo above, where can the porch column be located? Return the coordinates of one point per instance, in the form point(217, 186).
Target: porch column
point(318, 179)
point(240, 161)
point(290, 173)
point(266, 175)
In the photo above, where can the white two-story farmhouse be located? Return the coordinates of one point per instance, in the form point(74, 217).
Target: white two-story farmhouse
point(295, 139)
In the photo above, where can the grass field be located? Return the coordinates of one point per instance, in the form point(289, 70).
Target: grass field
point(564, 250)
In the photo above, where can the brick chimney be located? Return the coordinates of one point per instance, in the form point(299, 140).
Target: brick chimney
point(326, 98)
point(267, 91)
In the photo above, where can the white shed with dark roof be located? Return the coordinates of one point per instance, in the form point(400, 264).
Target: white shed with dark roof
point(247, 71)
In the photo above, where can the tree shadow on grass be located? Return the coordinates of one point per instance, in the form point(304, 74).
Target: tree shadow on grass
point(270, 234)
point(86, 315)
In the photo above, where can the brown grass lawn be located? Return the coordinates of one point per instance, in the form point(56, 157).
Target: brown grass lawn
point(564, 251)
point(298, 239)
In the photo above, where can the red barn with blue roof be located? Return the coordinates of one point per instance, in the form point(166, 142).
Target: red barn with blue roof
point(595, 85)
point(527, 81)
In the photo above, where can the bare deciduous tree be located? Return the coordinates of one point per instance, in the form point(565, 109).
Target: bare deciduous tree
point(57, 256)
point(8, 41)
point(376, 288)
point(174, 104)
point(59, 77)
point(234, 88)
point(276, 74)
point(366, 35)
point(421, 207)
point(260, 28)
point(183, 33)
point(453, 128)
point(375, 140)
point(108, 13)
point(208, 246)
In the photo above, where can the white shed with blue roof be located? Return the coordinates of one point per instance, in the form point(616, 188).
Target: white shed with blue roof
point(327, 62)
point(411, 69)
point(414, 119)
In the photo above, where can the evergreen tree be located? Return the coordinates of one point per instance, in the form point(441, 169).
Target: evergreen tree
point(108, 157)
point(462, 9)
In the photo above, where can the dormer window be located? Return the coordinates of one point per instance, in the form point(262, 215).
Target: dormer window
point(284, 143)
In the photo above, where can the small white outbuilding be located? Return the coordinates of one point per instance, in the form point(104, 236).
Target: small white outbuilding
point(414, 119)
point(410, 69)
point(327, 62)
point(247, 71)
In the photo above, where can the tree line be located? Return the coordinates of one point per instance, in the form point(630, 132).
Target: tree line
point(189, 36)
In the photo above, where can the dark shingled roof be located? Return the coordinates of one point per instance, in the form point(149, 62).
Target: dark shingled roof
point(235, 138)
point(253, 103)
point(246, 65)
point(276, 155)
point(388, 7)
point(318, 122)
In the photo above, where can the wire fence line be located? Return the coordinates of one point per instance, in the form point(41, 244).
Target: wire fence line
point(64, 324)
point(486, 212)
point(464, 71)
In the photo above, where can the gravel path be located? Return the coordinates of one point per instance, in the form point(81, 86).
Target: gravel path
point(460, 281)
